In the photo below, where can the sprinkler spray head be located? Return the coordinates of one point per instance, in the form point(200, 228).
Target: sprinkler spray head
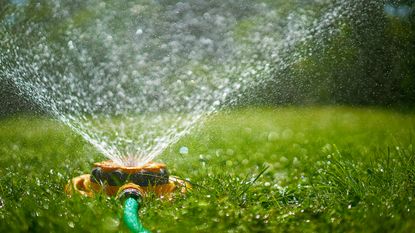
point(147, 175)
point(121, 181)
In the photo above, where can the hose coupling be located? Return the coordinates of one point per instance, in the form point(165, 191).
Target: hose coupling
point(130, 190)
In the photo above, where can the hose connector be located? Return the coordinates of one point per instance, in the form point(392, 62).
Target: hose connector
point(130, 190)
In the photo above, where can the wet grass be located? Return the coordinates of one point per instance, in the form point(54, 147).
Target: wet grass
point(255, 170)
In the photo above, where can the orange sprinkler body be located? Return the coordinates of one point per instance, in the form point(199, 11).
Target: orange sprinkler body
point(111, 179)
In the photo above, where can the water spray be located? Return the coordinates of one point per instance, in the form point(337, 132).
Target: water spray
point(128, 184)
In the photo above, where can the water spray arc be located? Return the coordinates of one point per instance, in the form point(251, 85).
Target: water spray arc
point(137, 96)
point(128, 184)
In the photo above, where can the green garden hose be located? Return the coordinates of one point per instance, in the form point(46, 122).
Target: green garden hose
point(131, 218)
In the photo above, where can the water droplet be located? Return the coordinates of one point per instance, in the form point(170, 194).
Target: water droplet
point(139, 31)
point(71, 224)
point(296, 162)
point(184, 150)
point(71, 45)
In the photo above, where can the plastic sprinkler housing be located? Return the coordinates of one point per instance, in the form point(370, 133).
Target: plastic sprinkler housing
point(116, 180)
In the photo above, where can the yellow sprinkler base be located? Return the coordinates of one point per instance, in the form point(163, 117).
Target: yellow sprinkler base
point(112, 179)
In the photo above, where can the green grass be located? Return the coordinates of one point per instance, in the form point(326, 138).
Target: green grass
point(255, 170)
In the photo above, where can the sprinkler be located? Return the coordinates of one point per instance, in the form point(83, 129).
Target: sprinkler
point(129, 184)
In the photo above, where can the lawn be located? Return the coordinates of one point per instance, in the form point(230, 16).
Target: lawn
point(316, 169)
